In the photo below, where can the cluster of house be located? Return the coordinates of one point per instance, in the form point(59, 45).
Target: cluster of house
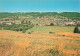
point(10, 22)
point(65, 20)
point(59, 24)
point(40, 24)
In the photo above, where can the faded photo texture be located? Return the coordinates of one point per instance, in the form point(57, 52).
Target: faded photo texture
point(39, 27)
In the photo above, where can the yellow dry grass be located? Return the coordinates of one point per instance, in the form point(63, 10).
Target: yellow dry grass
point(12, 43)
point(69, 34)
point(22, 44)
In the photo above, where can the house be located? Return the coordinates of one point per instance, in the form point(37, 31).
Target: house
point(54, 23)
point(47, 24)
point(77, 21)
point(61, 24)
point(17, 22)
point(8, 23)
point(1, 22)
point(70, 23)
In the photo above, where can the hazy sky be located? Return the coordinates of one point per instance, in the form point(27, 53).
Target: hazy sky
point(39, 5)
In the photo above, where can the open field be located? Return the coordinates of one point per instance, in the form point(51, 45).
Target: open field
point(40, 41)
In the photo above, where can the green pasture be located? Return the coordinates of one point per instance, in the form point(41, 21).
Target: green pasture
point(52, 28)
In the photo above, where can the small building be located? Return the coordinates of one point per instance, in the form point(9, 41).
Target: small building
point(8, 23)
point(54, 23)
point(77, 21)
point(1, 22)
point(47, 24)
point(17, 22)
point(61, 24)
point(70, 23)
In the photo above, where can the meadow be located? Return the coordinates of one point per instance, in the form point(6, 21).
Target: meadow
point(40, 41)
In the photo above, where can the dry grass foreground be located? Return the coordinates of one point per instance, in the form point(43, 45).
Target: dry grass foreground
point(22, 44)
point(13, 43)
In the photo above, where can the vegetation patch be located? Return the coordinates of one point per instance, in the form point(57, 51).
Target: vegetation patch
point(51, 32)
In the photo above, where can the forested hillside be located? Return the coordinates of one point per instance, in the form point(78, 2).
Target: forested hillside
point(70, 15)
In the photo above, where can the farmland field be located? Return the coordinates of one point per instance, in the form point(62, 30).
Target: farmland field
point(40, 41)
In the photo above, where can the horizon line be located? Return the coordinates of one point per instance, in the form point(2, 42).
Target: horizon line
point(40, 12)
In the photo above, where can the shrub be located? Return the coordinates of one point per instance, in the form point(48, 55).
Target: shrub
point(63, 35)
point(23, 31)
point(29, 32)
point(78, 24)
point(56, 52)
point(79, 31)
point(51, 24)
point(76, 30)
point(20, 29)
point(51, 32)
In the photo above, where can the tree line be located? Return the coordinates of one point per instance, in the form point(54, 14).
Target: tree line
point(70, 15)
point(17, 27)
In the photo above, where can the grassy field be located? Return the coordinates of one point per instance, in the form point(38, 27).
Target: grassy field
point(53, 28)
point(40, 41)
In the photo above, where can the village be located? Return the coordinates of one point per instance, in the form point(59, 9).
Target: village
point(41, 21)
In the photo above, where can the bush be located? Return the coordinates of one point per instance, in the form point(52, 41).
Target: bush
point(29, 32)
point(56, 52)
point(51, 32)
point(17, 30)
point(79, 31)
point(15, 27)
point(24, 30)
point(78, 24)
point(51, 24)
point(76, 30)
point(20, 29)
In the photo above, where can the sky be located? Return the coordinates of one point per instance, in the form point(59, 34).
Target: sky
point(39, 5)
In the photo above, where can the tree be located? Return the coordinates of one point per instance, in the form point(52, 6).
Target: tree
point(78, 24)
point(29, 22)
point(79, 31)
point(51, 24)
point(22, 22)
point(76, 30)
